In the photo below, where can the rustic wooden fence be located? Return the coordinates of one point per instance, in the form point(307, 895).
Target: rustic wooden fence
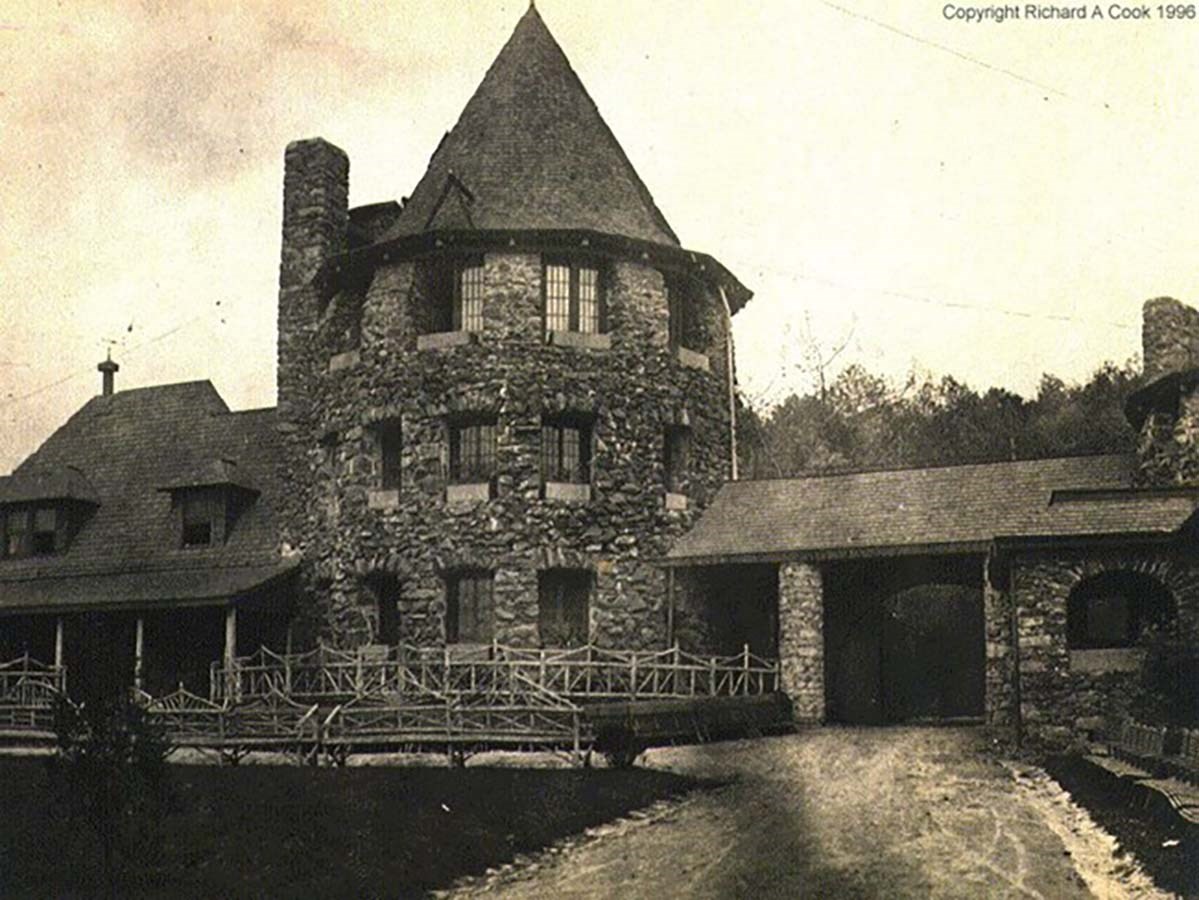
point(580, 673)
point(28, 689)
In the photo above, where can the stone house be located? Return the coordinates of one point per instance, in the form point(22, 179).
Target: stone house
point(507, 414)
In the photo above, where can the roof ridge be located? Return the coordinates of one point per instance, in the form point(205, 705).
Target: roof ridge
point(881, 470)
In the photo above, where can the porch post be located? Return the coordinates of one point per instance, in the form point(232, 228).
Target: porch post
point(670, 607)
point(231, 680)
point(59, 643)
point(139, 648)
point(230, 635)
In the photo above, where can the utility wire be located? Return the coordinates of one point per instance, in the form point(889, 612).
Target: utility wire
point(12, 401)
point(973, 60)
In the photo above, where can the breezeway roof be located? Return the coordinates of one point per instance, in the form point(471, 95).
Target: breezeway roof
point(963, 507)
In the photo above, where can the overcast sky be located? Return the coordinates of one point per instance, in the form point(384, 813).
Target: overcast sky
point(987, 201)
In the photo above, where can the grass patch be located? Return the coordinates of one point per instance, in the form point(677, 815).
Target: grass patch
point(276, 831)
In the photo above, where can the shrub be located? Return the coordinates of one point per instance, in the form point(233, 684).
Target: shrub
point(1169, 687)
point(110, 773)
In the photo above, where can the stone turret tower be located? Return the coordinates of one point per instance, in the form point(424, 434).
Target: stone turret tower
point(504, 399)
point(1165, 410)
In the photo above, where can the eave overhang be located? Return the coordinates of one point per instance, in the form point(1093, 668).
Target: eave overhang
point(338, 269)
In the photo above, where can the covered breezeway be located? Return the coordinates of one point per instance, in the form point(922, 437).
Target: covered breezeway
point(904, 639)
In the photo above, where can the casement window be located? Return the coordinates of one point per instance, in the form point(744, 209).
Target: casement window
point(680, 301)
point(470, 610)
point(563, 597)
point(203, 517)
point(32, 531)
point(573, 297)
point(472, 451)
point(676, 452)
point(468, 296)
point(1113, 608)
point(456, 294)
point(565, 449)
point(390, 450)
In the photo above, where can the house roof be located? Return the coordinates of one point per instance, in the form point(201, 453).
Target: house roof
point(127, 446)
point(918, 509)
point(531, 152)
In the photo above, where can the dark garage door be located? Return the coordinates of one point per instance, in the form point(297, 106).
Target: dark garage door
point(912, 655)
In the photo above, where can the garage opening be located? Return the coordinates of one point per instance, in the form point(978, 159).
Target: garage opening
point(904, 640)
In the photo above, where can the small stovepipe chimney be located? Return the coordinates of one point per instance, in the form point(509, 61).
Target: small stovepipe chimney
point(108, 369)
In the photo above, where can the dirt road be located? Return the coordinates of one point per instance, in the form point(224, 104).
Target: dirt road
point(840, 813)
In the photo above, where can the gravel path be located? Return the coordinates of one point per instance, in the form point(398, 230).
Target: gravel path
point(839, 812)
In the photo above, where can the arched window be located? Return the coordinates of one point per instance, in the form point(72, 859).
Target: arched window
point(1113, 608)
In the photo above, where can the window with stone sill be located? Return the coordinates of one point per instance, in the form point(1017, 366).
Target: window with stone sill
point(676, 453)
point(472, 451)
point(32, 531)
point(682, 301)
point(389, 450)
point(566, 449)
point(1112, 609)
point(458, 296)
point(470, 607)
point(563, 600)
point(573, 297)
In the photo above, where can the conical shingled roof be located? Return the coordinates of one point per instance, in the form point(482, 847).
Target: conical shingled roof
point(531, 151)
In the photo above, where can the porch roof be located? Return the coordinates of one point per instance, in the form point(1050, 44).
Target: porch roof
point(947, 509)
point(199, 586)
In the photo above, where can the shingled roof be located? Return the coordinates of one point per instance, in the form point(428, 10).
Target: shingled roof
point(531, 151)
point(126, 447)
point(936, 508)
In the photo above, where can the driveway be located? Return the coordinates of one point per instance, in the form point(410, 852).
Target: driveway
point(839, 812)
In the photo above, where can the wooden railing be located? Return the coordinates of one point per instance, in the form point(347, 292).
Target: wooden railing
point(28, 689)
point(582, 673)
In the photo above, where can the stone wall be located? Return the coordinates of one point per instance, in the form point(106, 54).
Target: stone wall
point(997, 609)
point(350, 361)
point(1062, 696)
point(801, 639)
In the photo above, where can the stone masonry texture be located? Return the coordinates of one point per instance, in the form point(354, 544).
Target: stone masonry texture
point(801, 640)
point(633, 392)
point(1059, 700)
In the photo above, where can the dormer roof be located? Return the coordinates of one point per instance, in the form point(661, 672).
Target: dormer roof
point(120, 452)
point(65, 483)
point(532, 152)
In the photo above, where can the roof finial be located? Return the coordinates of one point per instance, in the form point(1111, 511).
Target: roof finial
point(107, 370)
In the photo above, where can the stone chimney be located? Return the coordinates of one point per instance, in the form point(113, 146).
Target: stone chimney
point(1165, 409)
point(316, 183)
point(108, 370)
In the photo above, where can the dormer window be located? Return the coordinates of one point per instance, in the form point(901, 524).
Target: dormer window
point(207, 501)
point(203, 514)
point(573, 297)
point(32, 531)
